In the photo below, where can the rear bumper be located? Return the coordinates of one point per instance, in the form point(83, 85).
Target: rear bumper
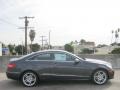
point(111, 74)
point(13, 75)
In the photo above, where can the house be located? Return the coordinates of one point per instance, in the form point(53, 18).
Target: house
point(79, 47)
point(58, 47)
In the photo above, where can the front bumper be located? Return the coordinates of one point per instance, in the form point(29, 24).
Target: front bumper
point(111, 74)
point(13, 75)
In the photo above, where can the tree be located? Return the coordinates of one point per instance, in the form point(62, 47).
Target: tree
point(76, 42)
point(115, 51)
point(118, 44)
point(32, 36)
point(35, 47)
point(113, 44)
point(71, 43)
point(82, 41)
point(20, 49)
point(11, 48)
point(3, 45)
point(68, 48)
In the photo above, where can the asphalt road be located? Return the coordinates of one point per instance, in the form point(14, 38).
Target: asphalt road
point(114, 84)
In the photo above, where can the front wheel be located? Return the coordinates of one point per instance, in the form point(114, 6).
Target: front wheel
point(100, 77)
point(29, 79)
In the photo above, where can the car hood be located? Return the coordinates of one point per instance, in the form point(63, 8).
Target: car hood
point(97, 61)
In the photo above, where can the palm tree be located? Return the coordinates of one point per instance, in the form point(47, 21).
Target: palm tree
point(82, 41)
point(32, 36)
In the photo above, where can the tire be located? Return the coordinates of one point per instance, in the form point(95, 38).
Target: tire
point(29, 79)
point(100, 77)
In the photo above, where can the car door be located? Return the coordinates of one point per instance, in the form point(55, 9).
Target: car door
point(43, 63)
point(65, 66)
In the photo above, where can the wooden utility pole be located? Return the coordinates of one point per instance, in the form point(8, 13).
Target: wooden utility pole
point(26, 27)
point(42, 40)
point(49, 40)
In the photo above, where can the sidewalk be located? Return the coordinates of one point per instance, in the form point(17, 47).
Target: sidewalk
point(3, 76)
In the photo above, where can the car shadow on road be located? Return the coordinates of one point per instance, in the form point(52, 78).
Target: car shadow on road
point(54, 85)
point(70, 82)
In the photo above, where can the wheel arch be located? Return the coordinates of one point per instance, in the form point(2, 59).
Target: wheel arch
point(99, 69)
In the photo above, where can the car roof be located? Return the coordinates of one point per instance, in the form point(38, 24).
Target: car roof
point(51, 50)
point(42, 51)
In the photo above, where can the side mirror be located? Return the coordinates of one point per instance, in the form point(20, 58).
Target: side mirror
point(77, 60)
point(83, 58)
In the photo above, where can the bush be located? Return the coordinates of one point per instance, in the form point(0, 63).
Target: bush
point(87, 51)
point(69, 48)
point(115, 51)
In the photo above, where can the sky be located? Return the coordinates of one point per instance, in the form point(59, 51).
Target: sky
point(68, 20)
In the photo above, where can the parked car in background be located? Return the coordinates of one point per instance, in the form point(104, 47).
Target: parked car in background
point(57, 64)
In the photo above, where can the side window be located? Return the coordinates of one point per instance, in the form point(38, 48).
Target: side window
point(44, 56)
point(60, 57)
point(63, 57)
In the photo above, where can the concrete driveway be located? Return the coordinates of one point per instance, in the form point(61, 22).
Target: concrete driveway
point(6, 84)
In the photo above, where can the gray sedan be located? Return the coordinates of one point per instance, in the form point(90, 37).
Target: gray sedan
point(60, 65)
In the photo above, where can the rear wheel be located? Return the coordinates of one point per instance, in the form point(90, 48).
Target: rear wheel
point(29, 79)
point(100, 77)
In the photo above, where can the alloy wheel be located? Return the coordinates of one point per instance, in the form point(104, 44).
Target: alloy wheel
point(100, 77)
point(29, 79)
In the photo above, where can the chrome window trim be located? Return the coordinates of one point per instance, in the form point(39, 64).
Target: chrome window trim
point(48, 60)
point(53, 53)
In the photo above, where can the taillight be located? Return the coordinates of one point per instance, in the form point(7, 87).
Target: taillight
point(11, 65)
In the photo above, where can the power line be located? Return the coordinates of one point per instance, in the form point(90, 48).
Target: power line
point(8, 5)
point(2, 20)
